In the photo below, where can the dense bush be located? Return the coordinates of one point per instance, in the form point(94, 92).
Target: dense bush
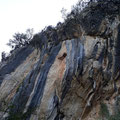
point(3, 56)
point(48, 34)
point(105, 114)
point(21, 39)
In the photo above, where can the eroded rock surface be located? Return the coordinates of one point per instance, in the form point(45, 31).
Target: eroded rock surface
point(68, 80)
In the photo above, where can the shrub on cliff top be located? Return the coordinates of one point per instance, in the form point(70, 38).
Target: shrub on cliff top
point(21, 39)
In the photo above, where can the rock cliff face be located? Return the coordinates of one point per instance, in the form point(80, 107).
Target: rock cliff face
point(74, 79)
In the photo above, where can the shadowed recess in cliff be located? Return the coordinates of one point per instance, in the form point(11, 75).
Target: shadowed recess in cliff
point(117, 53)
point(23, 93)
point(21, 98)
point(19, 57)
point(74, 63)
point(36, 100)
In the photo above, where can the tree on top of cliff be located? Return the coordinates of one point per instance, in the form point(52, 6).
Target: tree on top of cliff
point(48, 34)
point(86, 15)
point(21, 39)
point(3, 56)
point(108, 7)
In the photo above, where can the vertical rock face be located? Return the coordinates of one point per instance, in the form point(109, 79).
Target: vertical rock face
point(75, 79)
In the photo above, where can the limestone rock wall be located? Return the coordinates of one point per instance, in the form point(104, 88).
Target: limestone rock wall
point(76, 79)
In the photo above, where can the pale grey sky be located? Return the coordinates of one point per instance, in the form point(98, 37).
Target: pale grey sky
point(19, 15)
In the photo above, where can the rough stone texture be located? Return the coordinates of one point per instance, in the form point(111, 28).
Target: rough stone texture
point(68, 80)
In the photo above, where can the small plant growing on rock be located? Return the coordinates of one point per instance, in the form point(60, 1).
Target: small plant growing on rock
point(115, 117)
point(104, 112)
point(105, 115)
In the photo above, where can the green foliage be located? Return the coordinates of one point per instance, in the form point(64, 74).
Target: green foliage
point(3, 56)
point(64, 13)
point(18, 115)
point(41, 39)
point(104, 112)
point(36, 41)
point(21, 39)
point(115, 117)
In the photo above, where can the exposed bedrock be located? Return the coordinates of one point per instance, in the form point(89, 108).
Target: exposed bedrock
point(73, 79)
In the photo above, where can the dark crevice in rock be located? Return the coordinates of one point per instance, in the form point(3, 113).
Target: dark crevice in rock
point(74, 64)
point(117, 53)
point(36, 100)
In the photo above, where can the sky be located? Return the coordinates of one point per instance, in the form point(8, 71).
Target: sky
point(19, 15)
